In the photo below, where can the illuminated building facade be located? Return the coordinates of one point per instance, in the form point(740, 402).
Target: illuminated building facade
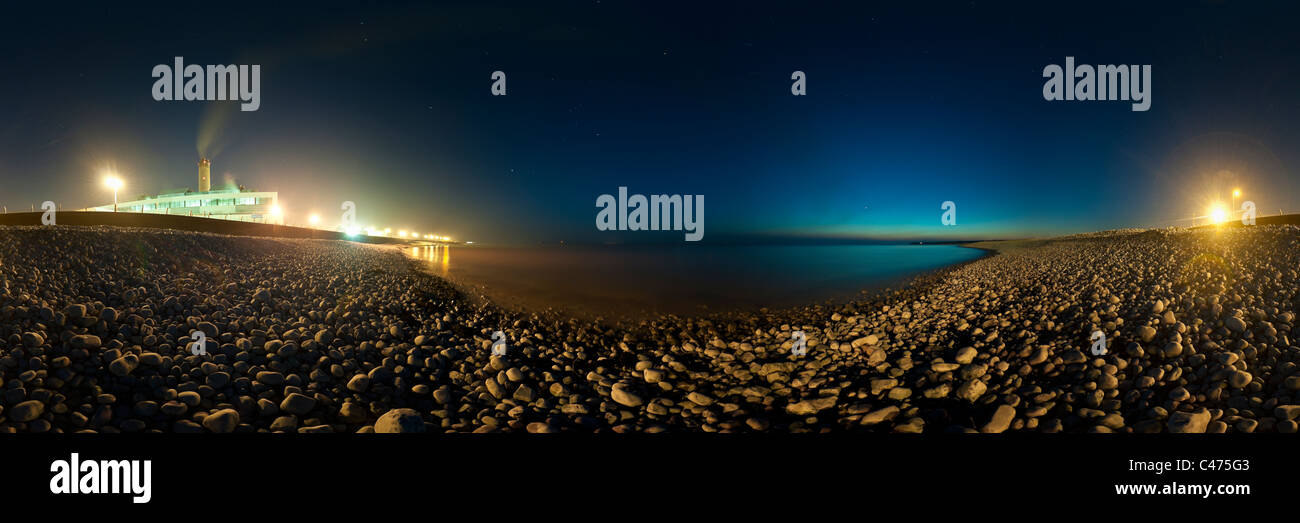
point(231, 203)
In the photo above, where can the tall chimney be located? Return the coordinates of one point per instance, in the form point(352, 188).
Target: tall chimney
point(205, 175)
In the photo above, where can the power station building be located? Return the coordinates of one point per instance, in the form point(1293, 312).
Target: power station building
point(231, 203)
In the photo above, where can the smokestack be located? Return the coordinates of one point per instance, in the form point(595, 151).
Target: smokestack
point(205, 175)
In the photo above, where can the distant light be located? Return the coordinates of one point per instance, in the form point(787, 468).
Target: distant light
point(401, 233)
point(313, 219)
point(113, 182)
point(469, 243)
point(1236, 193)
point(388, 231)
point(275, 210)
point(353, 231)
point(1218, 214)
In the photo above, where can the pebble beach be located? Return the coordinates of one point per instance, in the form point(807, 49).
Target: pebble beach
point(304, 335)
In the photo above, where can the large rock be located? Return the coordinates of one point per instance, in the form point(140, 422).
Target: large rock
point(880, 415)
point(1234, 324)
point(971, 390)
point(298, 404)
point(85, 341)
point(26, 411)
point(966, 355)
point(1146, 333)
point(625, 397)
point(399, 421)
point(810, 407)
point(270, 377)
point(32, 339)
point(75, 311)
point(1001, 420)
point(352, 413)
point(125, 365)
point(209, 329)
point(1189, 422)
point(358, 383)
point(1286, 412)
point(223, 421)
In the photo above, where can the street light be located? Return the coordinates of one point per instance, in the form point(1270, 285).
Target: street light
point(1235, 194)
point(313, 219)
point(114, 183)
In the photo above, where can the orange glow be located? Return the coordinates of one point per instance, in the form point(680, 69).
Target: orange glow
point(1218, 214)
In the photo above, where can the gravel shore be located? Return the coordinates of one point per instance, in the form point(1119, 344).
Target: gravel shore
point(96, 329)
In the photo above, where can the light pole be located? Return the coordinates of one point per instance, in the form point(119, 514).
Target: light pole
point(114, 183)
point(1235, 193)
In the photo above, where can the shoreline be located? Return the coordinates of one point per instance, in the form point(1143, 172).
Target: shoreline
point(622, 304)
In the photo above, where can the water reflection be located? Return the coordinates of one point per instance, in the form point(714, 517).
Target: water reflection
point(437, 255)
point(617, 280)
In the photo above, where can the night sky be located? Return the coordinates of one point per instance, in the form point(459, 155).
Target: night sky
point(390, 107)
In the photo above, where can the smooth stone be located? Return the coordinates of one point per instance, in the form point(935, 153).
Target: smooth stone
point(1000, 421)
point(1240, 379)
point(359, 383)
point(223, 421)
point(811, 406)
point(124, 366)
point(1234, 324)
point(271, 378)
point(399, 421)
point(625, 397)
point(1146, 333)
point(85, 341)
point(971, 390)
point(298, 404)
point(1189, 422)
point(26, 411)
point(879, 415)
point(966, 355)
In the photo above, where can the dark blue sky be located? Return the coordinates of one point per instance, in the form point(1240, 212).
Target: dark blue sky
point(389, 106)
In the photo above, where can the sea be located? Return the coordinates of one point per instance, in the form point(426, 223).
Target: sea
point(641, 280)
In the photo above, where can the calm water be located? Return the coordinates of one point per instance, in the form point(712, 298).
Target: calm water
point(632, 280)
